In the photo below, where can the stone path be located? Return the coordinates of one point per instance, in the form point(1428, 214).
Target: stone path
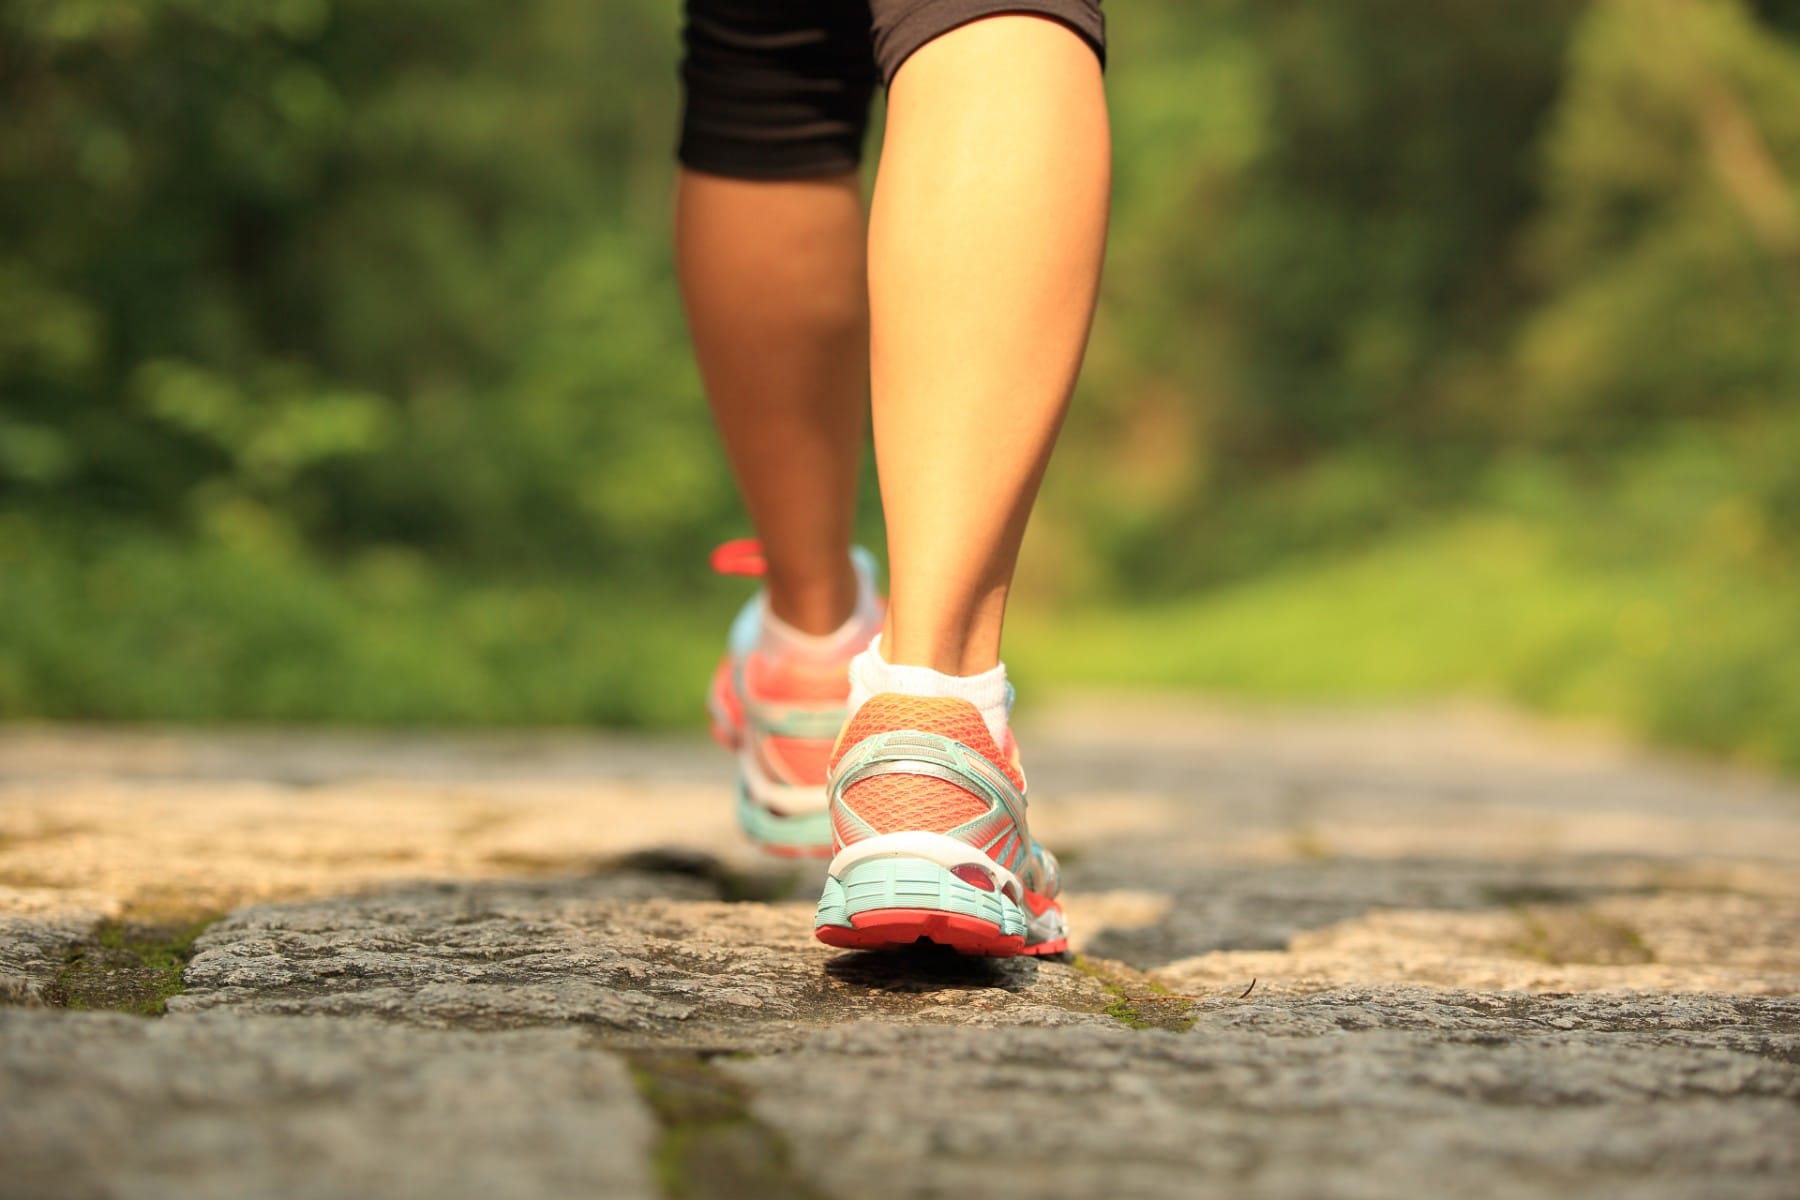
point(1318, 957)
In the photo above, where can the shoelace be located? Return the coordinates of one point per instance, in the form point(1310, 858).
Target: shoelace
point(741, 556)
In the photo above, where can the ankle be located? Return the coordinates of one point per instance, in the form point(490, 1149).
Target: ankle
point(873, 673)
point(818, 604)
point(849, 627)
point(972, 654)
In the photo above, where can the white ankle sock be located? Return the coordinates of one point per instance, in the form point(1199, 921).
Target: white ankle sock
point(871, 675)
point(778, 639)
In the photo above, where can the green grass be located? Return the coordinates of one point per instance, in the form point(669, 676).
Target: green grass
point(140, 630)
point(1692, 654)
point(1698, 647)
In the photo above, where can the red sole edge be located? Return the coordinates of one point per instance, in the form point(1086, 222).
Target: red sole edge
point(811, 852)
point(895, 928)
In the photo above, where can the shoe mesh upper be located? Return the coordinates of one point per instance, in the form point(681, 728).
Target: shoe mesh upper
point(822, 686)
point(797, 682)
point(898, 803)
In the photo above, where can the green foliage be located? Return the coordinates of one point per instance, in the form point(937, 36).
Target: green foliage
point(136, 628)
point(1671, 245)
point(1398, 245)
point(359, 273)
point(342, 373)
point(1662, 597)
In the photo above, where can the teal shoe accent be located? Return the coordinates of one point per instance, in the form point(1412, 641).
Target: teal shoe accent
point(833, 906)
point(806, 834)
point(883, 883)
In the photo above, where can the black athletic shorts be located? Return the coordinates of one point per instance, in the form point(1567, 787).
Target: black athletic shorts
point(779, 89)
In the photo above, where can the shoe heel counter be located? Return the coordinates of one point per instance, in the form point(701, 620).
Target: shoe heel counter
point(909, 781)
point(900, 803)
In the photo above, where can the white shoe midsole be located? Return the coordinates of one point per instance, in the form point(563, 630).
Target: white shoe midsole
point(938, 848)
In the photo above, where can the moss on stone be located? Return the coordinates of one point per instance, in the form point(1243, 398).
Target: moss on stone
point(1558, 935)
point(711, 1147)
point(1138, 1002)
point(130, 967)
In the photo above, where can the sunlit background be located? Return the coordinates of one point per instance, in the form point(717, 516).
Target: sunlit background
point(1448, 348)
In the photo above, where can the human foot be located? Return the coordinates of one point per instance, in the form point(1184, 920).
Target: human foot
point(777, 701)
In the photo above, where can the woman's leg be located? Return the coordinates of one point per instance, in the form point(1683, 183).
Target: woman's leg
point(985, 246)
point(984, 257)
point(772, 275)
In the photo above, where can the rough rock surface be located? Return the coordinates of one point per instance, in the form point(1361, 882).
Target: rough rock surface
point(97, 1104)
point(38, 928)
point(1664, 943)
point(1378, 1093)
point(1322, 957)
point(696, 973)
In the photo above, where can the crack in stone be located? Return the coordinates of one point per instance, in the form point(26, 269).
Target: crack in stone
point(130, 967)
point(1138, 1001)
point(710, 1145)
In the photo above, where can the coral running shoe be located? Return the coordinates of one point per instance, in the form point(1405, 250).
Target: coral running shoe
point(929, 837)
point(779, 717)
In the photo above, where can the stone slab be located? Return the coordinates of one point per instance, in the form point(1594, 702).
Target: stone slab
point(1717, 943)
point(1355, 1094)
point(1442, 952)
point(38, 929)
point(218, 1106)
point(700, 973)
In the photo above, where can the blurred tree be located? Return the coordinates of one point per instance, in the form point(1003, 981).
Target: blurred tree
point(1389, 245)
point(368, 271)
point(1668, 248)
point(353, 316)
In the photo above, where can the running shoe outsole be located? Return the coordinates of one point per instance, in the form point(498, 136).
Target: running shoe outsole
point(891, 903)
point(898, 928)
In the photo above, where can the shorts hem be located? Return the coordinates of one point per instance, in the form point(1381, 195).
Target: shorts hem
point(930, 20)
point(763, 171)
